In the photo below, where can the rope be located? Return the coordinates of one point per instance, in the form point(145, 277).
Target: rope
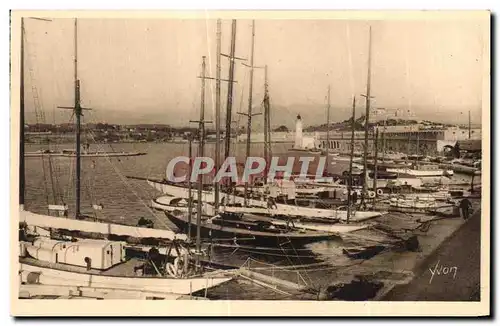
point(39, 116)
point(72, 170)
point(357, 262)
point(90, 184)
point(127, 184)
point(52, 183)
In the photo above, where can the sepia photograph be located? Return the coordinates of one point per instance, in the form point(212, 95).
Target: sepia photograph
point(250, 163)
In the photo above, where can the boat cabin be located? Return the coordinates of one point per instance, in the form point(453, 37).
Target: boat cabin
point(58, 210)
point(89, 253)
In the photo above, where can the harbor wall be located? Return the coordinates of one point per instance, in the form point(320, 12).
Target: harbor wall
point(424, 146)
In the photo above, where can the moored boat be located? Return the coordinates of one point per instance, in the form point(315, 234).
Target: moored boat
point(102, 263)
point(261, 206)
point(72, 153)
point(171, 204)
point(420, 170)
point(228, 226)
point(416, 205)
point(102, 228)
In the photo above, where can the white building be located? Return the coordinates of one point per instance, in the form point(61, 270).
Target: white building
point(276, 137)
point(300, 139)
point(414, 139)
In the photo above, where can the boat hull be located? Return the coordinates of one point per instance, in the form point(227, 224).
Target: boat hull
point(241, 235)
point(95, 154)
point(459, 168)
point(404, 172)
point(27, 291)
point(260, 206)
point(51, 222)
point(336, 228)
point(56, 276)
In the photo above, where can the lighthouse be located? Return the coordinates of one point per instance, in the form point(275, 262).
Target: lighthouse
point(298, 133)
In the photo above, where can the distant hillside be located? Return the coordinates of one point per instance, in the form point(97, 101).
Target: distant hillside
point(359, 123)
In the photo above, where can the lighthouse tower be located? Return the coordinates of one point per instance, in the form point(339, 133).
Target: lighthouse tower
point(298, 133)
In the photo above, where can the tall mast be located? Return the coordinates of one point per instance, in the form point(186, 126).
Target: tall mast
point(266, 122)
point(349, 184)
point(328, 130)
point(408, 148)
point(201, 128)
point(469, 126)
point(77, 110)
point(230, 89)
point(21, 125)
point(269, 139)
point(190, 186)
point(375, 170)
point(383, 138)
point(78, 114)
point(217, 113)
point(249, 112)
point(418, 145)
point(367, 115)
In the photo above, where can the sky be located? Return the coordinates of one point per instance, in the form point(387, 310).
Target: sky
point(145, 70)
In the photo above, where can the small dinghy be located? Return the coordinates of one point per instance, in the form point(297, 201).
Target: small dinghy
point(365, 252)
point(416, 205)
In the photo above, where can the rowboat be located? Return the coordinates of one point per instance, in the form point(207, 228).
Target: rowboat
point(415, 205)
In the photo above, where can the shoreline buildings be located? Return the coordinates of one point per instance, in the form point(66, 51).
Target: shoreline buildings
point(418, 138)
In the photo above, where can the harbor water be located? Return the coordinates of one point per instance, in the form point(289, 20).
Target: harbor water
point(126, 200)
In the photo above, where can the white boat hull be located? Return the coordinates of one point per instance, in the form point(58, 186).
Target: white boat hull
point(331, 228)
point(305, 212)
point(416, 205)
point(417, 173)
point(45, 221)
point(50, 276)
point(260, 206)
point(93, 154)
point(94, 292)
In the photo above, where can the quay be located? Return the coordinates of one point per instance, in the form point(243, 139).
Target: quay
point(392, 275)
point(461, 250)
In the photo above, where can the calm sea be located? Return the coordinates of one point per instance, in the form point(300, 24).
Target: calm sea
point(104, 180)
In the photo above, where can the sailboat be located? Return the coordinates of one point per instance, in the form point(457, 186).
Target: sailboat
point(253, 201)
point(100, 264)
point(233, 203)
point(284, 201)
point(251, 219)
point(87, 153)
point(223, 223)
point(241, 216)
